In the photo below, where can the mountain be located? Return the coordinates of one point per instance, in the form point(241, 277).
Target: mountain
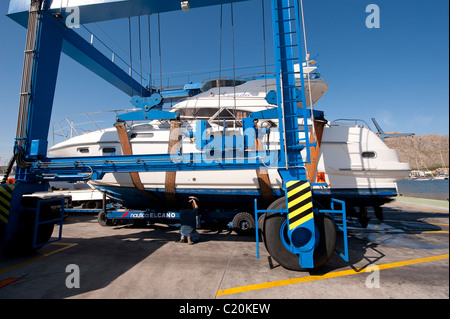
point(422, 151)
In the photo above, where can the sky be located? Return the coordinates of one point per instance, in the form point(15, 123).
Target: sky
point(397, 73)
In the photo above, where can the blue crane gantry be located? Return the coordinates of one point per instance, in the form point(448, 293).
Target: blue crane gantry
point(294, 230)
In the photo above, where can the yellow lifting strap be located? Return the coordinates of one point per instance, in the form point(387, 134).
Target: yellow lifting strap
point(126, 150)
point(311, 168)
point(263, 178)
point(174, 140)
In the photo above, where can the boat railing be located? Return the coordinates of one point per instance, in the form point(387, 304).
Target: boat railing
point(159, 81)
point(358, 122)
point(242, 74)
point(80, 124)
point(110, 48)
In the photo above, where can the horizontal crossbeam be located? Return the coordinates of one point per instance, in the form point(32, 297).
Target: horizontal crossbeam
point(102, 10)
point(96, 167)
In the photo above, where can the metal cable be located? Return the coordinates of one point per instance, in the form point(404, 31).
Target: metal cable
point(131, 57)
point(140, 51)
point(160, 63)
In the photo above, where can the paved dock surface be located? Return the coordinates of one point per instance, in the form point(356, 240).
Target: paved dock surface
point(404, 256)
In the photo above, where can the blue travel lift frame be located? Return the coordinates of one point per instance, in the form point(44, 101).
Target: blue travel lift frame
point(49, 37)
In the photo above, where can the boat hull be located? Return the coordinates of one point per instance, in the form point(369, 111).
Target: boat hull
point(242, 199)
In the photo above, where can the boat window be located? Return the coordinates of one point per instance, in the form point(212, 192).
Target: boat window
point(83, 150)
point(186, 112)
point(109, 150)
point(221, 83)
point(208, 112)
point(369, 154)
point(141, 135)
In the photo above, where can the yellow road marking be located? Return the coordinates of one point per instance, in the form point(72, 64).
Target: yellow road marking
point(435, 232)
point(7, 281)
point(285, 282)
point(67, 245)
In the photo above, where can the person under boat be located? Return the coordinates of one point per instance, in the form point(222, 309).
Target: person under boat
point(188, 219)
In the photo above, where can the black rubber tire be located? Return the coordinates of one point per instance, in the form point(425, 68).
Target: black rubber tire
point(271, 234)
point(102, 220)
point(92, 205)
point(243, 224)
point(362, 217)
point(379, 212)
point(261, 227)
point(45, 231)
point(22, 241)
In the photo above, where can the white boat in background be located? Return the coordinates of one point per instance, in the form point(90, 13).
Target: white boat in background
point(354, 162)
point(443, 175)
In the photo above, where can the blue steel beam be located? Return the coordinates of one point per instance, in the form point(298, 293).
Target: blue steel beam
point(44, 74)
point(95, 166)
point(284, 31)
point(301, 229)
point(103, 10)
point(87, 55)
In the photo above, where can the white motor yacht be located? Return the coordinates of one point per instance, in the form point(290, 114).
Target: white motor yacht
point(354, 164)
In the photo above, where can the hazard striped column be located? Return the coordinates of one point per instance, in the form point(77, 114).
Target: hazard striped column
point(5, 201)
point(300, 208)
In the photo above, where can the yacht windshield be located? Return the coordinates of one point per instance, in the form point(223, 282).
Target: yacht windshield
point(207, 113)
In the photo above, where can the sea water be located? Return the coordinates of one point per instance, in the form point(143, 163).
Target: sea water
point(431, 189)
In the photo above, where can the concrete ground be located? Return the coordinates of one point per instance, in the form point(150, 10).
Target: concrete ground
point(405, 256)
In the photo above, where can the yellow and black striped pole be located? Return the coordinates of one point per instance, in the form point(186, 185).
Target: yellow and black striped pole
point(300, 208)
point(5, 201)
point(301, 227)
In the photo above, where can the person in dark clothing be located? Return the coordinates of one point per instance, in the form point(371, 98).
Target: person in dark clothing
point(188, 218)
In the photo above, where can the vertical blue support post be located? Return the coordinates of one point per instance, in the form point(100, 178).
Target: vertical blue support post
point(343, 228)
point(42, 55)
point(38, 222)
point(301, 228)
point(45, 71)
point(285, 77)
point(306, 114)
point(287, 42)
point(41, 74)
point(257, 229)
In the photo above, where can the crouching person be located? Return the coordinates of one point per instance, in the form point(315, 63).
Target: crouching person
point(188, 218)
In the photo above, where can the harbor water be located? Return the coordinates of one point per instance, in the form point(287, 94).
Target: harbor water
point(431, 189)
